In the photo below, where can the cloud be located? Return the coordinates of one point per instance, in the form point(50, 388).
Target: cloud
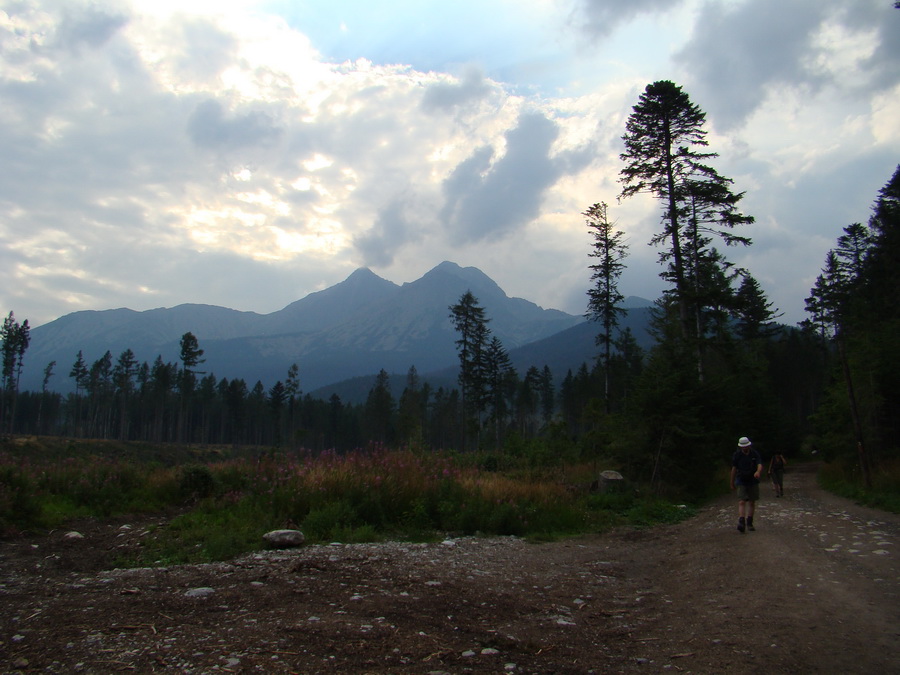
point(207, 50)
point(390, 232)
point(157, 153)
point(601, 18)
point(755, 44)
point(449, 95)
point(209, 127)
point(741, 53)
point(87, 26)
point(487, 199)
point(884, 21)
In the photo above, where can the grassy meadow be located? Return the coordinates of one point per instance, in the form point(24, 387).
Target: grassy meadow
point(223, 501)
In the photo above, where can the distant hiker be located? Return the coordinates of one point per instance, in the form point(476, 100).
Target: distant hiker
point(776, 472)
point(746, 468)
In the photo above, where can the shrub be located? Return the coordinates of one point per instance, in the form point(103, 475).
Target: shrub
point(196, 482)
point(323, 523)
point(19, 506)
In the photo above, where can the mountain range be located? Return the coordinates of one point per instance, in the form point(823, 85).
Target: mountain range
point(350, 330)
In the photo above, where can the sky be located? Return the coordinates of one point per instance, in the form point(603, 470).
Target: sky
point(246, 154)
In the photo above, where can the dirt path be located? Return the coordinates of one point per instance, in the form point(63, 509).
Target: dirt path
point(814, 589)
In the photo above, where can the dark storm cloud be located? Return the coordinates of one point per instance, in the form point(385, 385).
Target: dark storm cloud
point(599, 18)
point(446, 96)
point(485, 201)
point(739, 51)
point(88, 26)
point(390, 232)
point(884, 64)
point(736, 53)
point(209, 127)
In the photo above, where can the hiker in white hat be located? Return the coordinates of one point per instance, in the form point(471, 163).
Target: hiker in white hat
point(746, 468)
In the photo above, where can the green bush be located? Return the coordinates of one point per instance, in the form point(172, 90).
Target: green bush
point(19, 506)
point(504, 519)
point(57, 509)
point(196, 481)
point(323, 523)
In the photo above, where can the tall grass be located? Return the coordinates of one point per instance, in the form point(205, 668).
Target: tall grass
point(844, 478)
point(37, 493)
point(225, 506)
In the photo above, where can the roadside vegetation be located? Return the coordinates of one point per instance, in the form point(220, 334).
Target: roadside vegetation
point(843, 477)
point(222, 507)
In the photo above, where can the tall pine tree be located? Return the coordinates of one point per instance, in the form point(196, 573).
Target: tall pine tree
point(604, 298)
point(664, 140)
point(471, 325)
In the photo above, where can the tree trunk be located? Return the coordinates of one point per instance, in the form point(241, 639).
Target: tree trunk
point(854, 413)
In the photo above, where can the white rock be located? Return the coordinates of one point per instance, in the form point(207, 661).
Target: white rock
point(284, 538)
point(202, 592)
point(73, 536)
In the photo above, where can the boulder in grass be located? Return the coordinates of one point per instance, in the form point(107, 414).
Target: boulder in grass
point(284, 538)
point(610, 481)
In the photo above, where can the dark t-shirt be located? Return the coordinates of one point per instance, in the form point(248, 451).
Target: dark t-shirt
point(746, 465)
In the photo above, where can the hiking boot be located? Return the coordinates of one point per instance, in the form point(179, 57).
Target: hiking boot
point(750, 525)
point(741, 525)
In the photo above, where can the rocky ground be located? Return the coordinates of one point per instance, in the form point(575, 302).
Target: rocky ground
point(814, 589)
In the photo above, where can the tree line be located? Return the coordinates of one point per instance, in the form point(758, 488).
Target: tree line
point(174, 402)
point(854, 311)
point(721, 365)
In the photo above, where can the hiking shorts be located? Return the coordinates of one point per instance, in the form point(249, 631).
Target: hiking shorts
point(748, 493)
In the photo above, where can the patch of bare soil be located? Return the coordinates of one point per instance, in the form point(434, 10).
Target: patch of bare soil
point(814, 589)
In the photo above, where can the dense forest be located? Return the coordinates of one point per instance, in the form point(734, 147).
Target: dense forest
point(721, 366)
